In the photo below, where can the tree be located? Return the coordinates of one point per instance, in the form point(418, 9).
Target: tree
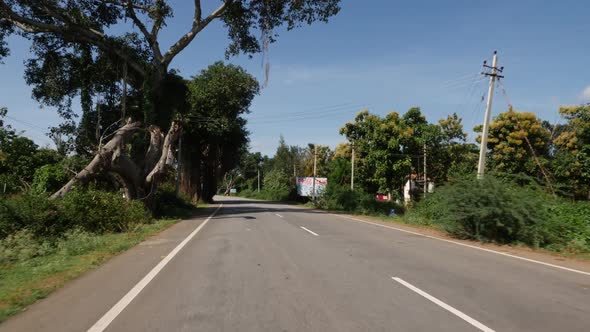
point(518, 143)
point(380, 148)
point(322, 156)
point(63, 29)
point(571, 162)
point(214, 134)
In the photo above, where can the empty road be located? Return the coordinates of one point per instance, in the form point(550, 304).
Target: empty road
point(257, 266)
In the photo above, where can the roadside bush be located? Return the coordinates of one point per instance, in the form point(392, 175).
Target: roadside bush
point(99, 212)
point(49, 178)
point(23, 245)
point(34, 212)
point(168, 204)
point(568, 227)
point(276, 186)
point(490, 209)
point(10, 183)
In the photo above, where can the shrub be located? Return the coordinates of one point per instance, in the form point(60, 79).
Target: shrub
point(168, 204)
point(32, 211)
point(568, 227)
point(99, 212)
point(490, 209)
point(49, 178)
point(276, 186)
point(22, 245)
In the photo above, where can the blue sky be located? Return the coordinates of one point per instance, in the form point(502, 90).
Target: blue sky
point(381, 55)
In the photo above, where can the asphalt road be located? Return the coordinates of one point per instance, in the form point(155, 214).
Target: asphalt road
point(258, 266)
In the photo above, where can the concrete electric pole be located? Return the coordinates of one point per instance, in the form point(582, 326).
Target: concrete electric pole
point(425, 177)
point(493, 74)
point(315, 159)
point(352, 170)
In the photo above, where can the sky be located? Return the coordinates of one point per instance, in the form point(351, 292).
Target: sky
point(380, 55)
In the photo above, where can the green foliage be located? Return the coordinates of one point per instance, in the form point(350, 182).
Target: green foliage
point(31, 211)
point(341, 198)
point(99, 212)
point(169, 205)
point(49, 178)
point(90, 210)
point(23, 245)
point(568, 227)
point(276, 186)
point(490, 209)
point(506, 209)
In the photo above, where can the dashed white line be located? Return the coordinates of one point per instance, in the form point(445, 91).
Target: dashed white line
point(445, 306)
point(305, 229)
point(108, 318)
point(278, 215)
point(466, 245)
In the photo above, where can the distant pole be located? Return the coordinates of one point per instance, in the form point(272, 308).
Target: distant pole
point(124, 98)
point(352, 170)
point(315, 158)
point(179, 164)
point(484, 136)
point(425, 177)
point(258, 178)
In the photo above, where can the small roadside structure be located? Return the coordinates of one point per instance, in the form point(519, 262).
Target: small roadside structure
point(414, 186)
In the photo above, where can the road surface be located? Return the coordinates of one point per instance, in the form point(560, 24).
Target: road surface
point(257, 266)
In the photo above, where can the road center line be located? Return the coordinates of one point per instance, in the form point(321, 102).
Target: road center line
point(445, 306)
point(466, 245)
point(108, 318)
point(305, 229)
point(278, 215)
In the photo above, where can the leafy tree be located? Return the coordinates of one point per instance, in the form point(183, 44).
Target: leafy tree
point(518, 143)
point(322, 155)
point(571, 164)
point(214, 135)
point(380, 146)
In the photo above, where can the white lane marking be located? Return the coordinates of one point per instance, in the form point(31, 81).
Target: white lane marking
point(467, 245)
point(108, 318)
point(278, 215)
point(445, 306)
point(305, 229)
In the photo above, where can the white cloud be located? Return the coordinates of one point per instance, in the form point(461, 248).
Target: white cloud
point(585, 95)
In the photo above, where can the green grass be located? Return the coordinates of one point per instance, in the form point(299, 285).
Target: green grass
point(24, 282)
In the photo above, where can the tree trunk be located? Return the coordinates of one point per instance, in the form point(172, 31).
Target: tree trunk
point(102, 161)
point(111, 158)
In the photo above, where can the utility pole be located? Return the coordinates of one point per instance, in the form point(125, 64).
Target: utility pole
point(315, 158)
point(258, 178)
point(425, 177)
point(179, 163)
point(352, 170)
point(124, 98)
point(484, 136)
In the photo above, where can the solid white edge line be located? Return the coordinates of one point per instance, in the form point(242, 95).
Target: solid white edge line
point(305, 229)
point(467, 245)
point(278, 215)
point(445, 306)
point(108, 318)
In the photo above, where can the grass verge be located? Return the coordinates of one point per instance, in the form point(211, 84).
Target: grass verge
point(24, 282)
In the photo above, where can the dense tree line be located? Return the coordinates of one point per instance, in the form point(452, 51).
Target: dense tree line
point(389, 148)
